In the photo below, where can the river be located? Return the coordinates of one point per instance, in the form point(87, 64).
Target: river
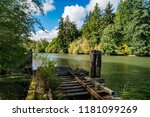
point(128, 76)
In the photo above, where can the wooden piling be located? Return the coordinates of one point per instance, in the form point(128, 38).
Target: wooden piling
point(98, 63)
point(93, 64)
point(30, 61)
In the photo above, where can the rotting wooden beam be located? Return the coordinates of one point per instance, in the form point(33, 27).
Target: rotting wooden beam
point(98, 63)
point(99, 85)
point(90, 90)
point(50, 94)
point(93, 64)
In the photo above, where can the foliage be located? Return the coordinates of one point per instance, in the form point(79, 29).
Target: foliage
point(41, 45)
point(16, 24)
point(124, 32)
point(14, 88)
point(32, 90)
point(108, 45)
point(36, 46)
point(92, 28)
point(138, 32)
point(53, 46)
point(67, 33)
point(140, 93)
point(44, 78)
point(124, 49)
point(108, 17)
point(79, 46)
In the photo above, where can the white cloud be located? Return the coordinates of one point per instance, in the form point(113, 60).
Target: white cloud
point(48, 35)
point(76, 14)
point(47, 6)
point(102, 4)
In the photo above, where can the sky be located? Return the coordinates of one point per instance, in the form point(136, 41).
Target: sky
point(55, 9)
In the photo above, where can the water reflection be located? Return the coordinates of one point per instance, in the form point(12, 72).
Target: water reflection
point(124, 76)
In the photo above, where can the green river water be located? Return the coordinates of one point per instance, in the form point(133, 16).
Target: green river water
point(128, 76)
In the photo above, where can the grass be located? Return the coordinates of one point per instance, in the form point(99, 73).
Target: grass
point(14, 88)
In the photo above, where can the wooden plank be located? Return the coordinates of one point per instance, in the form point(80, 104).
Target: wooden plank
point(50, 95)
point(76, 94)
point(68, 85)
point(67, 81)
point(98, 85)
point(73, 83)
point(90, 90)
point(73, 87)
point(66, 78)
point(74, 90)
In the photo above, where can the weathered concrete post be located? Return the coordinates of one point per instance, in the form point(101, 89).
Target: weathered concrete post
point(98, 63)
point(93, 64)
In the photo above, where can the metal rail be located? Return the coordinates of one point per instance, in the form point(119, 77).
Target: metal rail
point(90, 90)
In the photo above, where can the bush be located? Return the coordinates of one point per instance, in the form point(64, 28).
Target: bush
point(80, 46)
point(14, 88)
point(124, 49)
point(43, 80)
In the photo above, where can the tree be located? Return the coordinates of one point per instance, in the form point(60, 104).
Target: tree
point(122, 18)
point(41, 45)
point(16, 24)
point(53, 46)
point(108, 15)
point(108, 45)
point(67, 33)
point(92, 28)
point(138, 29)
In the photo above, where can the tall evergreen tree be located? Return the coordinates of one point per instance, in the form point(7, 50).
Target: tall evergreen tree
point(138, 33)
point(68, 32)
point(92, 28)
point(122, 18)
point(108, 14)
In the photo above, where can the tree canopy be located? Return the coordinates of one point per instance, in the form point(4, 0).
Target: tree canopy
point(67, 33)
point(16, 24)
point(124, 32)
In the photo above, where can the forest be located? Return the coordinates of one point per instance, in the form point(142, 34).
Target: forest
point(124, 32)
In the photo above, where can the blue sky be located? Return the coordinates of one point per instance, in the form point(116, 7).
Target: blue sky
point(75, 9)
point(51, 19)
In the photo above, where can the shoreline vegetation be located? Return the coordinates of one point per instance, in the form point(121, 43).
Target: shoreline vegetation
point(89, 53)
point(125, 32)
